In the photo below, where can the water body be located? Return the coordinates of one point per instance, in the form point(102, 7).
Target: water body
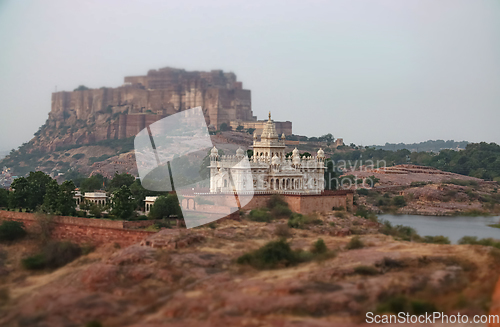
point(452, 227)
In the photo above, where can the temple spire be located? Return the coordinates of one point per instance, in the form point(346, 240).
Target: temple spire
point(269, 115)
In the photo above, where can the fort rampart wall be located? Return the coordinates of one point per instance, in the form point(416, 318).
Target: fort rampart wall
point(82, 230)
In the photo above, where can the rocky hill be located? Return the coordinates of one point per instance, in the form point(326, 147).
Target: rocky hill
point(86, 116)
point(104, 157)
point(90, 125)
point(195, 278)
point(92, 130)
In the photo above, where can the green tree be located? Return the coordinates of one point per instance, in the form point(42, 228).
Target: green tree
point(250, 131)
point(95, 210)
point(305, 154)
point(224, 127)
point(81, 88)
point(399, 201)
point(319, 247)
point(92, 183)
point(165, 206)
point(18, 198)
point(67, 204)
point(4, 198)
point(51, 200)
point(240, 128)
point(122, 203)
point(139, 194)
point(74, 176)
point(59, 198)
point(332, 175)
point(120, 180)
point(328, 138)
point(373, 179)
point(37, 185)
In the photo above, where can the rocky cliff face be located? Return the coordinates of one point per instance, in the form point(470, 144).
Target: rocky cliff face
point(116, 122)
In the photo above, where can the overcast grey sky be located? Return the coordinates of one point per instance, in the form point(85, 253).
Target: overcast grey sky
point(371, 71)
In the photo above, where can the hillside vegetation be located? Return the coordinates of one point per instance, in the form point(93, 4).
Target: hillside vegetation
point(28, 158)
point(481, 160)
point(430, 145)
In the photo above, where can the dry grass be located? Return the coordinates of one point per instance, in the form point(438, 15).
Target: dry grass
point(398, 266)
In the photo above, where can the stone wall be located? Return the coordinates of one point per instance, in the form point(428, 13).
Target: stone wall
point(307, 204)
point(325, 203)
point(93, 115)
point(166, 91)
point(130, 125)
point(189, 203)
point(281, 126)
point(304, 203)
point(83, 230)
point(138, 224)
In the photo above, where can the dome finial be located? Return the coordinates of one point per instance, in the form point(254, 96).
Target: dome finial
point(269, 115)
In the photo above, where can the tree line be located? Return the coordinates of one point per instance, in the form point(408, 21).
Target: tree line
point(430, 145)
point(38, 192)
point(481, 160)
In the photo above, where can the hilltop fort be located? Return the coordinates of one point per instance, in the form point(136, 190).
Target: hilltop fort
point(92, 115)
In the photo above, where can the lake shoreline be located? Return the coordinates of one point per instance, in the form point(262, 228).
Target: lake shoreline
point(433, 214)
point(453, 227)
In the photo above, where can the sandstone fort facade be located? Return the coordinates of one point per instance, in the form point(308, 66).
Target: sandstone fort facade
point(123, 111)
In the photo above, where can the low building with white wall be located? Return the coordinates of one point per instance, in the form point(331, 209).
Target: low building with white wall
point(97, 198)
point(148, 203)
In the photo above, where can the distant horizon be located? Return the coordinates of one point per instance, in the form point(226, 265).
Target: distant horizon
point(346, 142)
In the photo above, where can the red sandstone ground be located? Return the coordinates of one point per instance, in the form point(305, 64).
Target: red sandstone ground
point(404, 175)
point(190, 278)
point(437, 200)
point(438, 194)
